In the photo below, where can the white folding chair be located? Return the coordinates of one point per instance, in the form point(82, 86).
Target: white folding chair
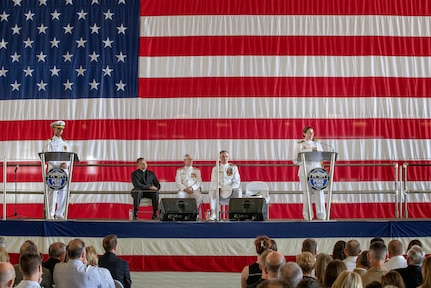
point(259, 189)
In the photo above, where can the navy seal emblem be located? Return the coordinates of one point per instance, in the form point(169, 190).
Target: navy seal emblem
point(318, 179)
point(56, 179)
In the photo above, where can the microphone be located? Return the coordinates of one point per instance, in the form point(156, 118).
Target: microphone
point(327, 145)
point(16, 168)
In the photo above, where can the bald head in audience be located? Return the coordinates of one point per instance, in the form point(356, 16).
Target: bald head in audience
point(7, 275)
point(273, 262)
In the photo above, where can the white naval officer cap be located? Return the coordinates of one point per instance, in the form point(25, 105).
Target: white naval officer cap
point(58, 124)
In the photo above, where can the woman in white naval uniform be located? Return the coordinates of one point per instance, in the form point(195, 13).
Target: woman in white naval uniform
point(189, 181)
point(309, 145)
point(229, 179)
point(57, 144)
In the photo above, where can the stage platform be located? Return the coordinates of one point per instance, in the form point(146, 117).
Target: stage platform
point(164, 253)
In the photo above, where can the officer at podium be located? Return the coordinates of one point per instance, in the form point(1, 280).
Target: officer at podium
point(57, 144)
point(308, 144)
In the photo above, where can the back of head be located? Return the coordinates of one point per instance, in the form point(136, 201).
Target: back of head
point(4, 256)
point(348, 279)
point(334, 268)
point(2, 242)
point(57, 250)
point(273, 262)
point(322, 261)
point(273, 283)
point(377, 251)
point(363, 260)
point(426, 272)
point(393, 278)
point(110, 242)
point(29, 264)
point(338, 250)
point(306, 261)
point(414, 242)
point(353, 248)
point(376, 239)
point(309, 283)
point(91, 254)
point(395, 248)
point(75, 248)
point(28, 247)
point(374, 284)
point(262, 243)
point(415, 255)
point(7, 274)
point(290, 273)
point(309, 245)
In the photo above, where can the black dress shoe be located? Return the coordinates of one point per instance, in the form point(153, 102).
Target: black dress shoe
point(155, 217)
point(135, 217)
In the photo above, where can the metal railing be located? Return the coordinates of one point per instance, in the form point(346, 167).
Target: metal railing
point(395, 191)
point(405, 191)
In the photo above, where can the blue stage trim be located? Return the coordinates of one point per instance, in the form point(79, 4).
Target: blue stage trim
point(141, 229)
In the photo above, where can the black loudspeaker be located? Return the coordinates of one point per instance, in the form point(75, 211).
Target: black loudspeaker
point(178, 209)
point(252, 209)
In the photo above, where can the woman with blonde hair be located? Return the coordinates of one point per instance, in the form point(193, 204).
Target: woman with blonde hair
point(348, 279)
point(4, 256)
point(306, 261)
point(92, 258)
point(426, 273)
point(322, 261)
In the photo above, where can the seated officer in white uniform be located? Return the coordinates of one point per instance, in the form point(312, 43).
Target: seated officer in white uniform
point(57, 144)
point(228, 179)
point(189, 181)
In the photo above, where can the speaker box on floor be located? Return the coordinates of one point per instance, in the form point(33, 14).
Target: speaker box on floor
point(178, 209)
point(251, 209)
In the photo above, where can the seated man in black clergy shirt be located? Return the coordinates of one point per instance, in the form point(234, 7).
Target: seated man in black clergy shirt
point(145, 185)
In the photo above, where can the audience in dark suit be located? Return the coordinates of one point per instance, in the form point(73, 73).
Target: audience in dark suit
point(119, 268)
point(57, 254)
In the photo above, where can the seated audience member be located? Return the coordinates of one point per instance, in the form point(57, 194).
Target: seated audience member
point(118, 267)
point(57, 254)
point(7, 275)
point(189, 181)
point(290, 273)
point(414, 242)
point(31, 268)
point(338, 250)
point(396, 259)
point(274, 283)
point(264, 276)
point(2, 242)
point(412, 274)
point(273, 262)
point(426, 273)
point(145, 185)
point(334, 268)
point(4, 256)
point(376, 239)
point(322, 261)
point(29, 247)
point(91, 257)
point(74, 273)
point(309, 283)
point(252, 273)
point(352, 251)
point(377, 255)
point(306, 261)
point(393, 278)
point(228, 178)
point(348, 279)
point(309, 245)
point(362, 263)
point(374, 284)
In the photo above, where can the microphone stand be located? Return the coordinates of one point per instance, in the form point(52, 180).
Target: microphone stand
point(15, 214)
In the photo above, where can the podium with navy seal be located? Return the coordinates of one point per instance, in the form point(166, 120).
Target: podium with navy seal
point(59, 176)
point(318, 178)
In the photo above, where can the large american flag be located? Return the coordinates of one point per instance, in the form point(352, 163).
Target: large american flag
point(163, 78)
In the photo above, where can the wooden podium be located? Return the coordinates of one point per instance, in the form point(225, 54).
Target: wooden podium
point(318, 156)
point(57, 156)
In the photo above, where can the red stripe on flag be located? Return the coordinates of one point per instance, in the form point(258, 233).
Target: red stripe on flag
point(179, 129)
point(268, 171)
point(285, 45)
point(285, 7)
point(284, 87)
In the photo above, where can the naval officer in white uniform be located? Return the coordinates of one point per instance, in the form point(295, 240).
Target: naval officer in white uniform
point(189, 181)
